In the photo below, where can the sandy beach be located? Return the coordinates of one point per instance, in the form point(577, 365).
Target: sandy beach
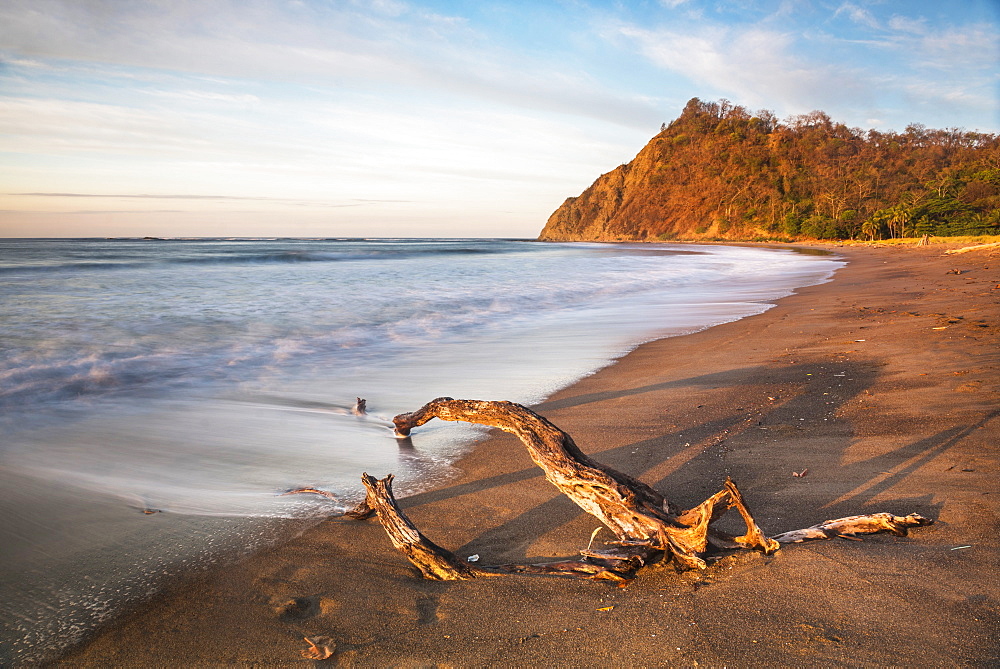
point(881, 386)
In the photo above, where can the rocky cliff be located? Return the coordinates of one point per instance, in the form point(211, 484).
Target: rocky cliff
point(721, 172)
point(621, 205)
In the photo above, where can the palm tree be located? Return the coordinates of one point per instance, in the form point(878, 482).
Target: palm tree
point(899, 216)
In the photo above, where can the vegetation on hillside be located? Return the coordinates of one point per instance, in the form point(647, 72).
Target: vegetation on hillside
point(720, 171)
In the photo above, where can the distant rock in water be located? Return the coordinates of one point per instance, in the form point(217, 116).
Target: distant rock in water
point(722, 172)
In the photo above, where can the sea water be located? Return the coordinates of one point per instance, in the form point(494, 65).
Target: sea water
point(158, 396)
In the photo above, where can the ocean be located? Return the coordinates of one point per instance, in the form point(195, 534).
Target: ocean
point(158, 396)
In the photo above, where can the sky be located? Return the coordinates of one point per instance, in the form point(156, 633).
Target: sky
point(435, 118)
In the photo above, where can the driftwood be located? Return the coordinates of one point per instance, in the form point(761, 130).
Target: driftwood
point(647, 526)
point(851, 525)
point(320, 648)
point(438, 564)
point(977, 247)
point(361, 511)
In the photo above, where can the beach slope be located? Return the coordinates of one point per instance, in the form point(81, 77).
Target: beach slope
point(879, 388)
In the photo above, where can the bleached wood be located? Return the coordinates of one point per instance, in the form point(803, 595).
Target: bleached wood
point(864, 524)
point(647, 526)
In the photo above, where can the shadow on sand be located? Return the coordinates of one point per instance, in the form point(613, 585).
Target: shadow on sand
point(691, 463)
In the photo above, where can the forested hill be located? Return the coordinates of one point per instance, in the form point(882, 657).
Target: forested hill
point(722, 172)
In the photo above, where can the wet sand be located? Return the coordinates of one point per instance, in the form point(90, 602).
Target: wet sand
point(883, 384)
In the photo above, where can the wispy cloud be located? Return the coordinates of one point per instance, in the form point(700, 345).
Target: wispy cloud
point(906, 24)
point(969, 47)
point(369, 45)
point(859, 15)
point(355, 202)
point(164, 196)
point(780, 61)
point(757, 66)
point(239, 99)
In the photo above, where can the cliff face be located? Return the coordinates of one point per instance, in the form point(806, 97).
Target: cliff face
point(619, 205)
point(720, 172)
point(672, 189)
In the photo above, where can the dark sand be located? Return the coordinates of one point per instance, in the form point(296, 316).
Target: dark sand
point(882, 383)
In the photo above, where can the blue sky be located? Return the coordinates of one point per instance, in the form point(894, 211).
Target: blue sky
point(447, 118)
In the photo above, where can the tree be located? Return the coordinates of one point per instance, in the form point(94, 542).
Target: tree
point(899, 216)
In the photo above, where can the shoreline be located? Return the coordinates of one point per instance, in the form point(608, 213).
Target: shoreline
point(863, 380)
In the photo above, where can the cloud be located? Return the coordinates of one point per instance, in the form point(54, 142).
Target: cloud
point(948, 71)
point(876, 67)
point(946, 98)
point(64, 126)
point(974, 47)
point(907, 24)
point(920, 44)
point(859, 15)
point(250, 39)
point(756, 65)
point(239, 99)
point(26, 63)
point(354, 202)
point(170, 196)
point(366, 46)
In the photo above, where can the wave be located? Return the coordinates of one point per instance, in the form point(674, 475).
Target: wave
point(72, 339)
point(88, 376)
point(323, 256)
point(50, 267)
point(242, 257)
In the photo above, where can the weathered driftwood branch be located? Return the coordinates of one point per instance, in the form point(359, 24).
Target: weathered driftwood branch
point(439, 564)
point(359, 512)
point(433, 561)
point(646, 524)
point(851, 525)
point(637, 514)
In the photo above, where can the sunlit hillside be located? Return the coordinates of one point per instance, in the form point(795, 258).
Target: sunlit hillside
point(720, 171)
